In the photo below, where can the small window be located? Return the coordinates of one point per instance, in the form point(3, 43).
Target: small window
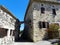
point(11, 32)
point(42, 10)
point(43, 25)
point(41, 4)
point(54, 11)
point(3, 32)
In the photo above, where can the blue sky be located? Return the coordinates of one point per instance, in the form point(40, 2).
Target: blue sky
point(17, 7)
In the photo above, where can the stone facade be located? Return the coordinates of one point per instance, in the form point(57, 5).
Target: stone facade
point(9, 22)
point(38, 16)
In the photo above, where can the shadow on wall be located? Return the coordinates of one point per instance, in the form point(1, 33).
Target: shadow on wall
point(25, 35)
point(17, 30)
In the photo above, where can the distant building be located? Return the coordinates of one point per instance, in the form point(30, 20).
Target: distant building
point(9, 24)
point(39, 15)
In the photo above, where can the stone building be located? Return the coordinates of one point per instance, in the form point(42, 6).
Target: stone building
point(9, 24)
point(39, 15)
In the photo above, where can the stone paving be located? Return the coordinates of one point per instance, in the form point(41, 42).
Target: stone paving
point(31, 43)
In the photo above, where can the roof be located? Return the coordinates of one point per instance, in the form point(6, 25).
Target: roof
point(47, 1)
point(41, 1)
point(6, 10)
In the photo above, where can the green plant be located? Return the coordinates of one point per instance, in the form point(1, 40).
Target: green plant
point(53, 27)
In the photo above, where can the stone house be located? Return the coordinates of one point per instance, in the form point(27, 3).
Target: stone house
point(9, 24)
point(39, 15)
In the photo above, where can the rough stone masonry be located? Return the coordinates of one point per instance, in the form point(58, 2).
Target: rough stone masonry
point(39, 15)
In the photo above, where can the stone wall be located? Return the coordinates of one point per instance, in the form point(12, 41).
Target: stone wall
point(35, 15)
point(10, 22)
point(46, 17)
point(6, 21)
point(28, 28)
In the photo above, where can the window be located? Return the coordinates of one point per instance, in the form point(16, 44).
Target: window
point(3, 32)
point(42, 10)
point(43, 24)
point(41, 4)
point(11, 32)
point(54, 11)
